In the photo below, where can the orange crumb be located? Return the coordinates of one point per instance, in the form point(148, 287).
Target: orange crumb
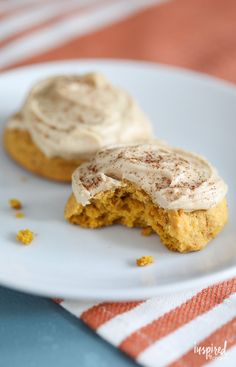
point(25, 236)
point(145, 260)
point(15, 204)
point(146, 231)
point(20, 215)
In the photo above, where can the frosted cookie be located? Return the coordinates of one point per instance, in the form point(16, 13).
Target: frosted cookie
point(65, 120)
point(176, 194)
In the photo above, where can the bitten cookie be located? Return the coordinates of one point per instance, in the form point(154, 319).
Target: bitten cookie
point(176, 194)
point(65, 120)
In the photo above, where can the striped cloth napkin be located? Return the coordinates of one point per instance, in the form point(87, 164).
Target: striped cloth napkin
point(187, 329)
point(195, 327)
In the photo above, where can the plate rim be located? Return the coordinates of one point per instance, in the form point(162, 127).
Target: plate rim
point(120, 294)
point(128, 62)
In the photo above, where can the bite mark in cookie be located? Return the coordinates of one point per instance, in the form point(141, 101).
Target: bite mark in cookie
point(177, 194)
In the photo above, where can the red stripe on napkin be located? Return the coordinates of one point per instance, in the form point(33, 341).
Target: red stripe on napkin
point(168, 323)
point(196, 34)
point(226, 333)
point(99, 314)
point(52, 21)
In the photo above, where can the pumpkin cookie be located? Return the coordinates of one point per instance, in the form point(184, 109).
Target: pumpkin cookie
point(65, 120)
point(177, 194)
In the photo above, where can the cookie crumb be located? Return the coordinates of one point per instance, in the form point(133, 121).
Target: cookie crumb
point(20, 215)
point(25, 236)
point(145, 260)
point(147, 231)
point(15, 204)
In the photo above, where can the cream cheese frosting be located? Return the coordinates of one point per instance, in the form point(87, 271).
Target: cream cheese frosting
point(74, 116)
point(173, 178)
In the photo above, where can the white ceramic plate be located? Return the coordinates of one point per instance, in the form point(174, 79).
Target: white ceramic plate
point(188, 110)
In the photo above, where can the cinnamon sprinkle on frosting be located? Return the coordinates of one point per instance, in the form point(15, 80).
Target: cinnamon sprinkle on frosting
point(73, 116)
point(173, 178)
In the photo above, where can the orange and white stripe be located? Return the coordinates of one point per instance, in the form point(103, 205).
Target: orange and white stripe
point(164, 330)
point(196, 34)
point(168, 350)
point(47, 25)
point(35, 17)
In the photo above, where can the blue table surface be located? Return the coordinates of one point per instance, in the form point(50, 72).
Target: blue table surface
point(35, 332)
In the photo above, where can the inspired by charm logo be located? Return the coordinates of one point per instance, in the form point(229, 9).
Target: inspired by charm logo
point(211, 351)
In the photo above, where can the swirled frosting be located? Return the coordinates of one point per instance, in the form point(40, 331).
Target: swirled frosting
point(173, 178)
point(74, 116)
